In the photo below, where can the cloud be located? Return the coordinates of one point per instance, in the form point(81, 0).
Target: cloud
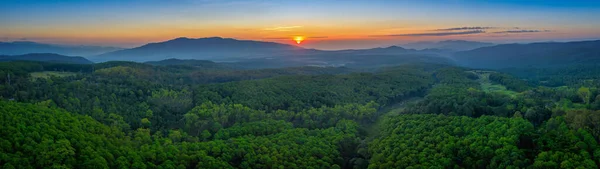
point(465, 28)
point(437, 33)
point(292, 37)
point(282, 28)
point(523, 31)
point(278, 38)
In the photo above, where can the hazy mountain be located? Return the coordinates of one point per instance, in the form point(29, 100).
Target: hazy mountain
point(257, 54)
point(386, 50)
point(25, 47)
point(532, 55)
point(46, 57)
point(389, 56)
point(454, 45)
point(215, 48)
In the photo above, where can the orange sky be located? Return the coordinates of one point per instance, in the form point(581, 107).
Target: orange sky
point(324, 24)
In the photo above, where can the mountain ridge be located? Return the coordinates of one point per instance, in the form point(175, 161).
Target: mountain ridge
point(542, 54)
point(454, 45)
point(46, 57)
point(26, 47)
point(209, 48)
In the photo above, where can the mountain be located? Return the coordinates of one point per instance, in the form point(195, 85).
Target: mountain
point(386, 50)
point(25, 47)
point(359, 58)
point(214, 48)
point(454, 45)
point(548, 54)
point(256, 54)
point(46, 57)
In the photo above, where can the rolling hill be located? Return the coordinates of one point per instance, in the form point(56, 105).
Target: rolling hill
point(46, 57)
point(453, 45)
point(548, 54)
point(26, 47)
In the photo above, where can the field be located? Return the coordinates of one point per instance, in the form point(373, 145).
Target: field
point(488, 86)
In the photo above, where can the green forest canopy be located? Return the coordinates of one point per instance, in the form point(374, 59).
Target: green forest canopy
point(134, 115)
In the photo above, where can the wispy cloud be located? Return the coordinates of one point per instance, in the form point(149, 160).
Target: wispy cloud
point(523, 31)
point(276, 38)
point(282, 28)
point(436, 34)
point(465, 28)
point(291, 37)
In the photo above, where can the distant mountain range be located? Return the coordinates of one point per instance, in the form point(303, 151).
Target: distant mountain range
point(246, 54)
point(454, 45)
point(214, 48)
point(26, 47)
point(46, 57)
point(267, 54)
point(548, 54)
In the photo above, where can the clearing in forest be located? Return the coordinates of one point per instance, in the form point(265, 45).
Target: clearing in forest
point(487, 85)
point(48, 74)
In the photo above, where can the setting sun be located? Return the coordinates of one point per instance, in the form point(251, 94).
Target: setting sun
point(298, 39)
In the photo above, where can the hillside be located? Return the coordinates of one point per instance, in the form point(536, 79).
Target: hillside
point(214, 48)
point(549, 54)
point(453, 45)
point(25, 47)
point(46, 57)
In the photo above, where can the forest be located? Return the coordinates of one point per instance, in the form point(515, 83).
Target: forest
point(201, 114)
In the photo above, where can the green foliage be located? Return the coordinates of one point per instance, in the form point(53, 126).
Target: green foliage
point(48, 74)
point(34, 136)
point(301, 92)
point(585, 94)
point(567, 148)
point(212, 117)
point(38, 137)
point(209, 115)
point(459, 93)
point(510, 82)
point(437, 141)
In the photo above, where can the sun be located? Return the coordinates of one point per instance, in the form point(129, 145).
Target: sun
point(298, 39)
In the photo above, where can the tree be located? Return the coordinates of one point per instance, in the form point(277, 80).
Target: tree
point(146, 123)
point(585, 94)
point(518, 115)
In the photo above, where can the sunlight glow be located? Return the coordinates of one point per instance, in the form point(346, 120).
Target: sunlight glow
point(298, 39)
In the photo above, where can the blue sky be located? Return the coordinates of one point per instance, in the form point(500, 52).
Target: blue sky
point(327, 24)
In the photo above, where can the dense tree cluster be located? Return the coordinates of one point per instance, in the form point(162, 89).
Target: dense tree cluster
point(510, 82)
point(201, 114)
point(37, 137)
point(424, 141)
point(458, 93)
point(438, 141)
point(301, 92)
point(559, 76)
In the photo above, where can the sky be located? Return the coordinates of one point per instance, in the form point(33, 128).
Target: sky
point(325, 24)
